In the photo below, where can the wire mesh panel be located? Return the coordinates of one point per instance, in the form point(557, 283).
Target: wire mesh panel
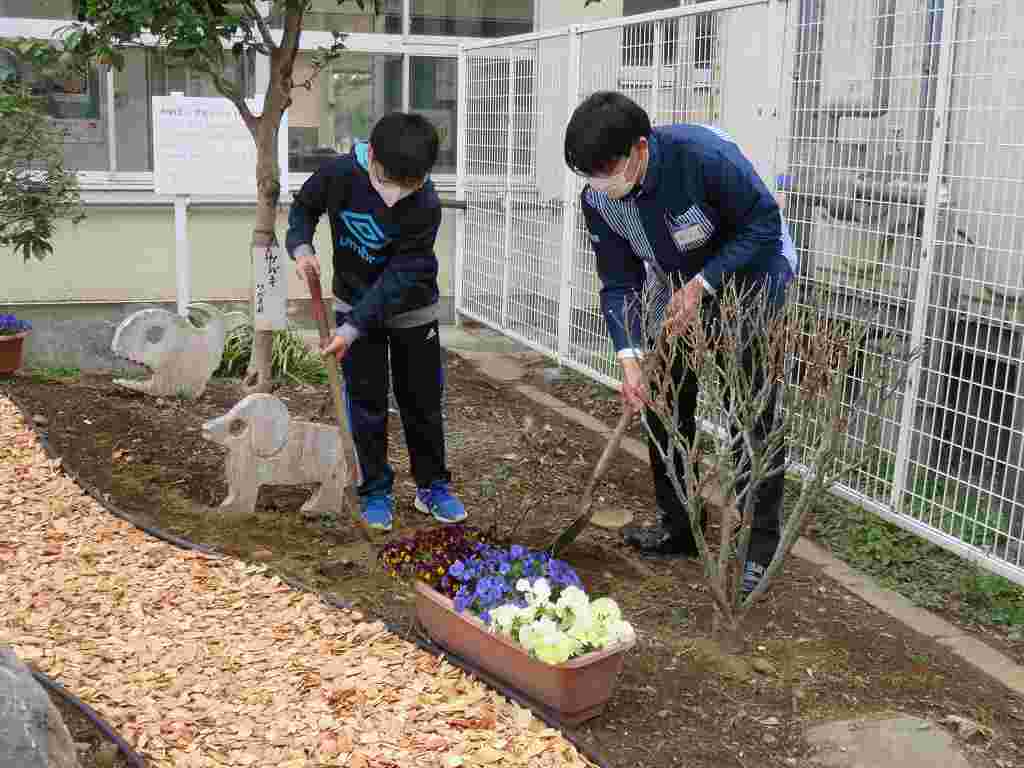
point(513, 184)
point(966, 447)
point(894, 134)
point(857, 177)
point(903, 193)
point(486, 157)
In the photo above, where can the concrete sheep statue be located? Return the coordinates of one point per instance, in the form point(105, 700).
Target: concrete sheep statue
point(265, 447)
point(181, 353)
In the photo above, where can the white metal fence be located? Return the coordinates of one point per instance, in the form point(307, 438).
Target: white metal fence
point(894, 134)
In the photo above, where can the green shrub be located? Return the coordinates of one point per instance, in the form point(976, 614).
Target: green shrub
point(292, 358)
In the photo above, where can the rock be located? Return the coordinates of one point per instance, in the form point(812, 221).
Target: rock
point(884, 742)
point(39, 420)
point(611, 518)
point(105, 756)
point(553, 375)
point(968, 730)
point(32, 733)
point(769, 739)
point(663, 713)
point(762, 666)
point(262, 555)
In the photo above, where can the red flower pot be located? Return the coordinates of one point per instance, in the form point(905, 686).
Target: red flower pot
point(577, 690)
point(11, 348)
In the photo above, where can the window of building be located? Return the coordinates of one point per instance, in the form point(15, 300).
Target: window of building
point(331, 16)
point(471, 18)
point(149, 73)
point(698, 34)
point(434, 94)
point(38, 9)
point(76, 106)
point(340, 106)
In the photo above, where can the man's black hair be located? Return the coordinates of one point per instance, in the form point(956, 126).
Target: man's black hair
point(603, 129)
point(405, 145)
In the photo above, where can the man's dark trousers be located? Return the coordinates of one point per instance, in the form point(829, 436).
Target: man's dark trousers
point(768, 504)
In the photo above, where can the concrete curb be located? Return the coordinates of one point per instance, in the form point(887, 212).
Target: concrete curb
point(505, 369)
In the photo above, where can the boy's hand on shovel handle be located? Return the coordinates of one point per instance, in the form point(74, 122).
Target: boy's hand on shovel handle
point(337, 347)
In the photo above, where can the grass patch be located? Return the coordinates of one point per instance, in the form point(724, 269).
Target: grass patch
point(291, 358)
point(44, 375)
point(928, 575)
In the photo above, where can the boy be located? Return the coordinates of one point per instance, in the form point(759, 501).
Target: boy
point(686, 196)
point(384, 216)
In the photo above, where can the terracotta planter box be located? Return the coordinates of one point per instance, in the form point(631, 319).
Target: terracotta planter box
point(577, 690)
point(11, 352)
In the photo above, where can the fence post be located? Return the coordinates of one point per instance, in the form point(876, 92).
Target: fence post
point(568, 204)
point(656, 67)
point(506, 276)
point(461, 140)
point(922, 296)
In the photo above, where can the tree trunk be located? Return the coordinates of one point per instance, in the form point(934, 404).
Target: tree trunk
point(268, 196)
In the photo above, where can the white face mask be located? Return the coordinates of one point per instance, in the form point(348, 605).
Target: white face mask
point(389, 192)
point(618, 185)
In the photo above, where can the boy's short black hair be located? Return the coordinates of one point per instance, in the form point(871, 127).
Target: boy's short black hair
point(406, 145)
point(603, 129)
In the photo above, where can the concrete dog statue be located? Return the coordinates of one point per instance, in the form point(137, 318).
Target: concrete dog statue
point(265, 447)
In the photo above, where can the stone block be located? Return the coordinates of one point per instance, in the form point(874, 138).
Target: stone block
point(32, 732)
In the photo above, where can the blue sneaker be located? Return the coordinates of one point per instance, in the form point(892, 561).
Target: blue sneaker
point(437, 501)
point(376, 510)
point(752, 575)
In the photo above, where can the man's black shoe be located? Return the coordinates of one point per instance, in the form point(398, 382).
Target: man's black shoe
point(658, 540)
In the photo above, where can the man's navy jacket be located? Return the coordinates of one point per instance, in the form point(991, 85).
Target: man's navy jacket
point(702, 210)
point(385, 268)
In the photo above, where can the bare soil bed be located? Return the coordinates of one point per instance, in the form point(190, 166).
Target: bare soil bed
point(814, 651)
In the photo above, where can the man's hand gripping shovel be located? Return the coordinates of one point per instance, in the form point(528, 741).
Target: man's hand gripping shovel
point(585, 509)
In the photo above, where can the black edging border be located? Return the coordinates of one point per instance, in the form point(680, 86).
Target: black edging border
point(549, 717)
point(133, 758)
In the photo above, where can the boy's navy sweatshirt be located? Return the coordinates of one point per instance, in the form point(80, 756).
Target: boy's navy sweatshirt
point(385, 268)
point(701, 211)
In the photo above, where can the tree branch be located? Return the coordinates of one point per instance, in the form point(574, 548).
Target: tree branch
point(228, 90)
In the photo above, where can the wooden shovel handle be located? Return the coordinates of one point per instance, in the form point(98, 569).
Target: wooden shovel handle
point(334, 381)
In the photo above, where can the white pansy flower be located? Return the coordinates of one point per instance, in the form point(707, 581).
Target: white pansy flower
point(542, 590)
point(605, 610)
point(503, 617)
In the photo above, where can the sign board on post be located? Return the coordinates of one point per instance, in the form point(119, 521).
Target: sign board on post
point(270, 295)
point(201, 146)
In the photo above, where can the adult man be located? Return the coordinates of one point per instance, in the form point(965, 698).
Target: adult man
point(686, 197)
point(384, 216)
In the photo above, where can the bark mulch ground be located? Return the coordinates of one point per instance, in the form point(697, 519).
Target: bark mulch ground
point(210, 661)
